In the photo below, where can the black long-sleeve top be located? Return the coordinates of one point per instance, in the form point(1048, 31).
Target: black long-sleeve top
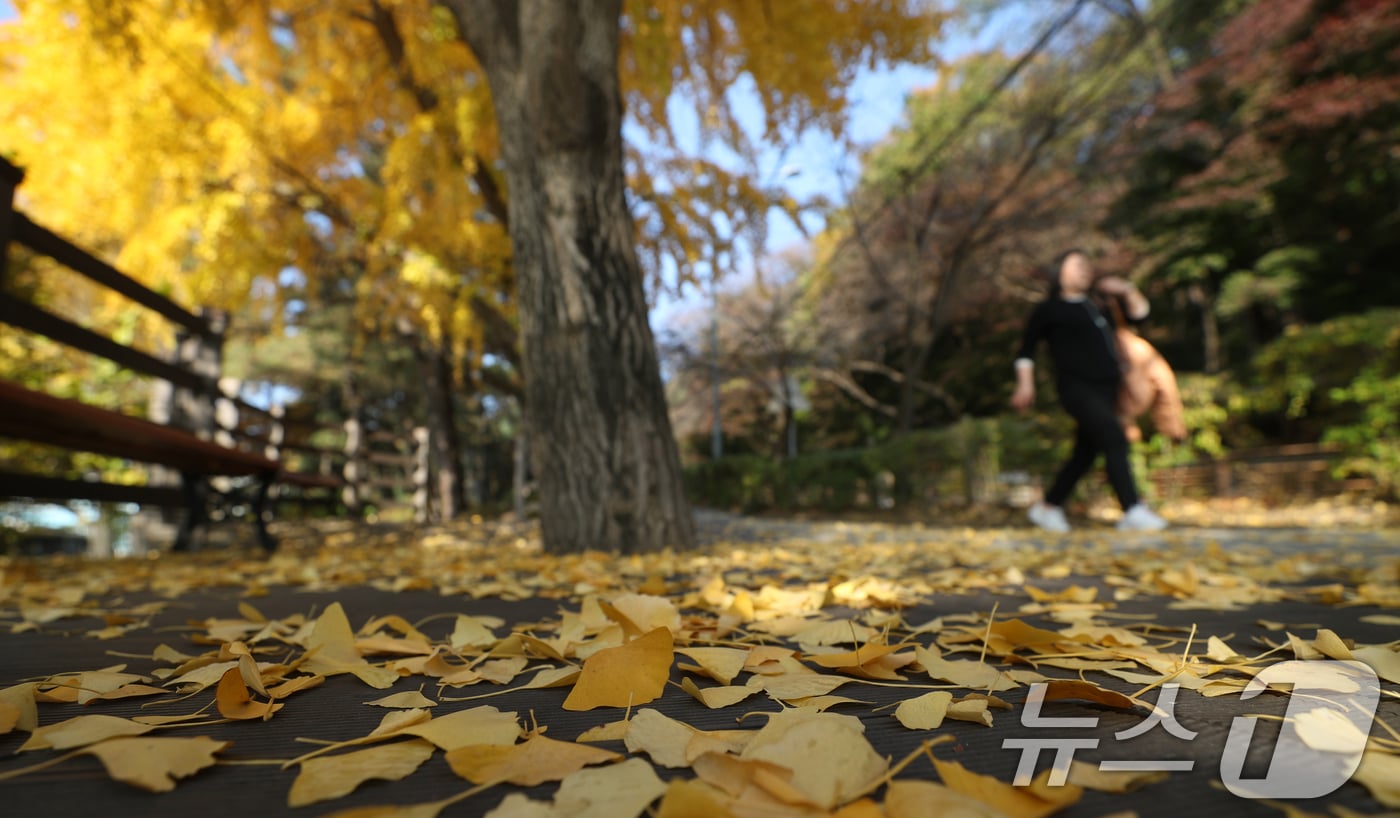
point(1081, 339)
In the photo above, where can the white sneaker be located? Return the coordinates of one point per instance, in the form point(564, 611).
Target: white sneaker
point(1141, 518)
point(1049, 518)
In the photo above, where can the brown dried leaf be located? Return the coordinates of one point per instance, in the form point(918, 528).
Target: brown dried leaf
point(1066, 689)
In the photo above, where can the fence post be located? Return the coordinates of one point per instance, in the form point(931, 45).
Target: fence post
point(356, 470)
point(277, 435)
point(10, 177)
point(422, 439)
point(226, 411)
point(203, 355)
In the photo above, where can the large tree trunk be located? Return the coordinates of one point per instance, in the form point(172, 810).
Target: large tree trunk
point(609, 474)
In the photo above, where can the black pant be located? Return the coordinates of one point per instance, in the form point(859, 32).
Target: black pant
point(1091, 404)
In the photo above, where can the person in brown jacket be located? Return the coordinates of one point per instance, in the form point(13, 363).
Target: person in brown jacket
point(1088, 376)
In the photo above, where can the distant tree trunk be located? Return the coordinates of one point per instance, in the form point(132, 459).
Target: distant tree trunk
point(608, 471)
point(1210, 327)
point(446, 443)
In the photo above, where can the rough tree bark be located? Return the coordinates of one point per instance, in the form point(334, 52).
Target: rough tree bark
point(609, 474)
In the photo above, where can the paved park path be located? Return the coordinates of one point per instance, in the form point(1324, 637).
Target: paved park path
point(1250, 588)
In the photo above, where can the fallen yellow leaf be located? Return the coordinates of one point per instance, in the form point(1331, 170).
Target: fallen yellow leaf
point(1035, 801)
point(235, 702)
point(322, 779)
point(924, 712)
point(632, 674)
point(332, 648)
point(80, 731)
point(536, 760)
point(622, 790)
point(1090, 777)
point(831, 760)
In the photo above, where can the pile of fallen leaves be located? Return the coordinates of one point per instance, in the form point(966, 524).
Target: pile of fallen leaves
point(805, 624)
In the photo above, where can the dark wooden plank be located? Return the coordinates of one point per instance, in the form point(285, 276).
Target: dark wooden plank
point(34, 319)
point(42, 240)
point(29, 415)
point(39, 487)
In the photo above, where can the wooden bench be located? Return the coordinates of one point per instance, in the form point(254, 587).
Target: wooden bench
point(208, 465)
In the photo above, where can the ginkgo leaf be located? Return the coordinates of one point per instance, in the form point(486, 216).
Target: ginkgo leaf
point(1034, 801)
point(622, 790)
point(1380, 774)
point(296, 685)
point(612, 731)
point(1070, 689)
point(648, 612)
point(831, 760)
point(202, 677)
point(718, 696)
point(692, 799)
point(321, 779)
point(971, 709)
point(20, 698)
point(1327, 730)
point(235, 702)
point(153, 764)
point(632, 674)
point(924, 712)
point(834, 632)
point(479, 725)
point(1090, 777)
point(906, 798)
point(536, 760)
point(9, 717)
point(82, 730)
point(406, 699)
point(473, 631)
point(332, 648)
point(825, 702)
point(789, 687)
point(671, 743)
point(1385, 661)
point(974, 675)
point(720, 664)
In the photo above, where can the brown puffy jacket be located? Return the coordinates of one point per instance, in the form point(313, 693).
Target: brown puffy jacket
point(1148, 385)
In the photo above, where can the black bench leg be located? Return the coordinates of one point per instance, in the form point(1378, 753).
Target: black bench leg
point(196, 492)
point(260, 514)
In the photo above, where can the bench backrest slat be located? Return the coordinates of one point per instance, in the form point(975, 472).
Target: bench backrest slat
point(34, 319)
point(42, 240)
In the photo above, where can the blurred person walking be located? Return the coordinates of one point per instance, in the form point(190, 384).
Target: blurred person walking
point(1088, 376)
